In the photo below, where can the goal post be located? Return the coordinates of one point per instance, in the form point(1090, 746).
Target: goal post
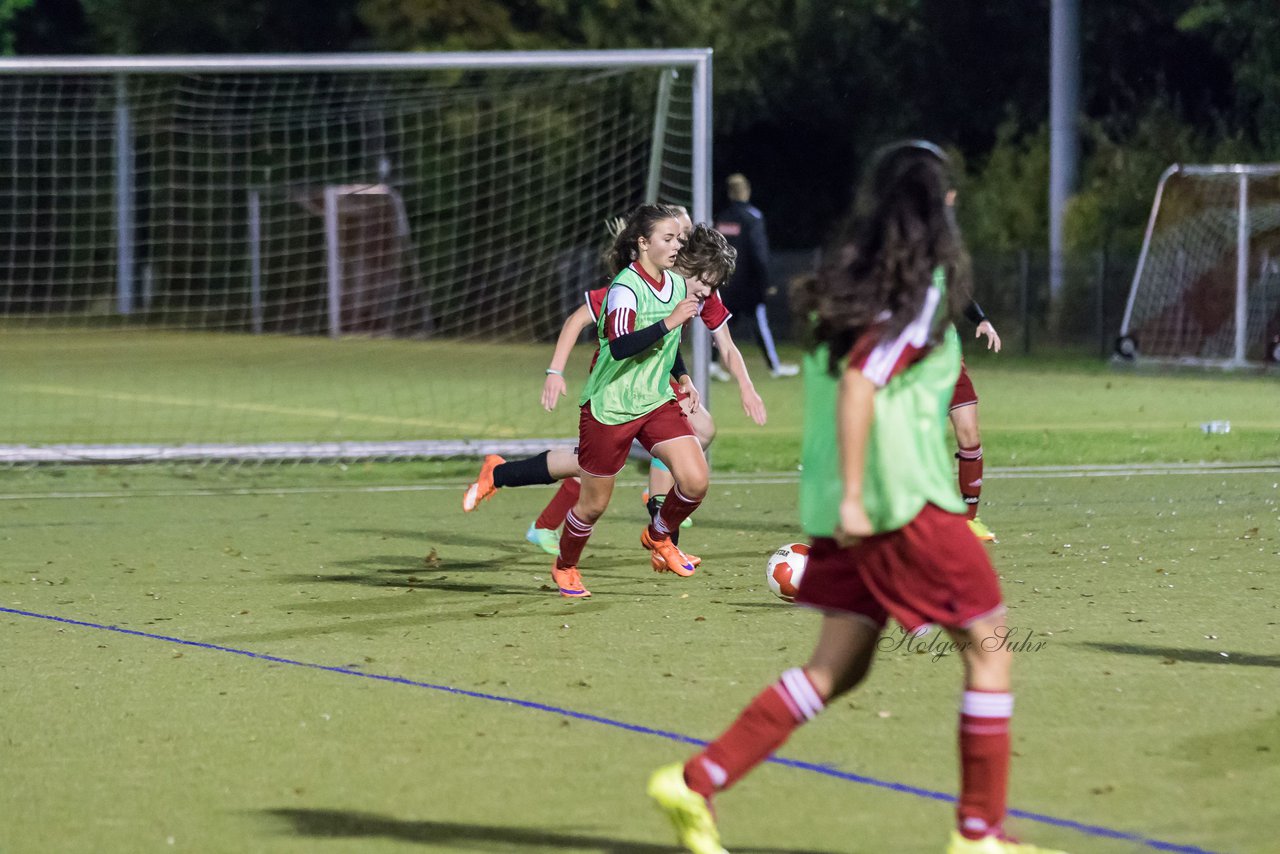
point(311, 256)
point(1206, 288)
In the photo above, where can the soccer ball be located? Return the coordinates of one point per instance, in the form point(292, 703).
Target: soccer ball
point(785, 569)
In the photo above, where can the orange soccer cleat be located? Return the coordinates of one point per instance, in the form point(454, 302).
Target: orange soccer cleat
point(483, 487)
point(569, 580)
point(667, 557)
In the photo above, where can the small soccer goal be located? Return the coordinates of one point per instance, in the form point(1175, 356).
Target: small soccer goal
point(1206, 290)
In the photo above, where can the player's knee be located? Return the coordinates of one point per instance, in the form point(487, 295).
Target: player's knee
point(968, 438)
point(988, 665)
point(830, 685)
point(589, 509)
point(846, 683)
point(694, 485)
point(964, 420)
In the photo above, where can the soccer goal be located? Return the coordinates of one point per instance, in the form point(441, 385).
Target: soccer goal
point(1206, 290)
point(321, 256)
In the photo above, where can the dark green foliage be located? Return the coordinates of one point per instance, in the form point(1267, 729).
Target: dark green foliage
point(806, 88)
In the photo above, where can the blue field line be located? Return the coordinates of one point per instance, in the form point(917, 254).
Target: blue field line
point(825, 770)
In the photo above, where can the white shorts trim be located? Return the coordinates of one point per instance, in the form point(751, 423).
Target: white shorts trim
point(673, 439)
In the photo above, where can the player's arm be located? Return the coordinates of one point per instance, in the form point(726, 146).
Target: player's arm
point(978, 318)
point(680, 373)
point(625, 341)
point(731, 359)
point(678, 369)
point(554, 386)
point(855, 407)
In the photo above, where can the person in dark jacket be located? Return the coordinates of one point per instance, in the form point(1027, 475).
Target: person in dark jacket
point(743, 225)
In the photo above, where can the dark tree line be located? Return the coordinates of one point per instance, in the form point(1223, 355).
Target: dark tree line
point(806, 88)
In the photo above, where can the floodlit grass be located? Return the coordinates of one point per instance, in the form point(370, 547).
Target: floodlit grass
point(322, 658)
point(128, 387)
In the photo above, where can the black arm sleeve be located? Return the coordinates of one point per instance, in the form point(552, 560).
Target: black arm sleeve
point(633, 343)
point(678, 369)
point(974, 313)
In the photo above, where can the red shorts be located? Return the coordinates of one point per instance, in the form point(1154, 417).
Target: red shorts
point(933, 571)
point(964, 395)
point(603, 448)
point(681, 396)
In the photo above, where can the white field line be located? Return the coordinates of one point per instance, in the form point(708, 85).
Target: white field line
point(758, 479)
point(313, 413)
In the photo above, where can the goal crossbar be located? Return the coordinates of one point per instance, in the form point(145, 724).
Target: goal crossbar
point(370, 61)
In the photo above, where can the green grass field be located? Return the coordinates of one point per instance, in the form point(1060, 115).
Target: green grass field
point(128, 387)
point(336, 659)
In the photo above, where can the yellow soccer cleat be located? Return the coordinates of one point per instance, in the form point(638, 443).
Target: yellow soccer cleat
point(688, 811)
point(981, 531)
point(993, 845)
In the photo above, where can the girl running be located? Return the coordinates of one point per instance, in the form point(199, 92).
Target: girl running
point(629, 397)
point(889, 532)
point(705, 260)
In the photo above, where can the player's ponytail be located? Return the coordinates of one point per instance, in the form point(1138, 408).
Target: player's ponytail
point(639, 223)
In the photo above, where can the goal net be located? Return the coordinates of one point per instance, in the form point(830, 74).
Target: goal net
point(319, 257)
point(1206, 290)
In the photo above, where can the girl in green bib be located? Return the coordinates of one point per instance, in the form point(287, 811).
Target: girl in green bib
point(889, 534)
point(629, 397)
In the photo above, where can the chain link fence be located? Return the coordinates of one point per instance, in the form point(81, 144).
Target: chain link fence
point(1013, 289)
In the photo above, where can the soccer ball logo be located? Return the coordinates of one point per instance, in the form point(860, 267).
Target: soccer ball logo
point(785, 568)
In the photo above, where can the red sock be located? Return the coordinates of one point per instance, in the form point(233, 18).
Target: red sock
point(971, 476)
point(760, 730)
point(675, 509)
point(552, 516)
point(572, 541)
point(984, 762)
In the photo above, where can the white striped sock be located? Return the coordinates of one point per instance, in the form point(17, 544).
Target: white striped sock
point(576, 527)
point(718, 775)
point(800, 691)
point(986, 704)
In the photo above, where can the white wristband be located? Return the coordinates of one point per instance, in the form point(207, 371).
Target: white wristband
point(554, 371)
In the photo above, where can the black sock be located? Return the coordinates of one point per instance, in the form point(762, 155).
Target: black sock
point(525, 472)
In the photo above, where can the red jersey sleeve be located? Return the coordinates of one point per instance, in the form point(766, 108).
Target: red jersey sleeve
point(714, 312)
point(595, 302)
